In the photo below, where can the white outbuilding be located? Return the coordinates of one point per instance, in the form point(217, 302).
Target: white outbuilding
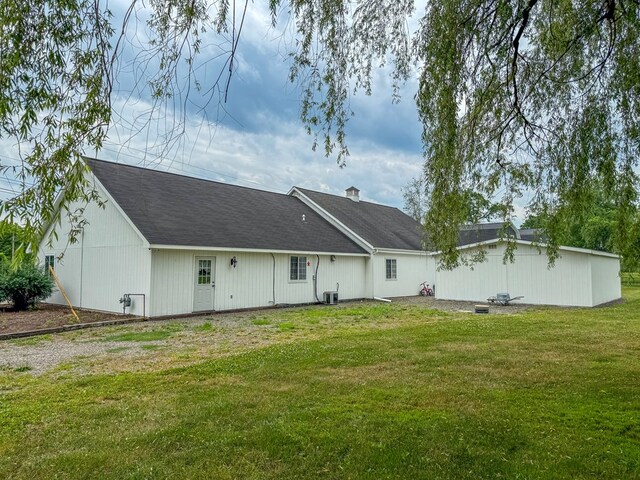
point(579, 277)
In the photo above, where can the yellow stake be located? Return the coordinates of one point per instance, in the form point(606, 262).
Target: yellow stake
point(55, 277)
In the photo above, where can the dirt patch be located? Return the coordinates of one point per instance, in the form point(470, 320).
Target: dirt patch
point(49, 316)
point(462, 306)
point(169, 343)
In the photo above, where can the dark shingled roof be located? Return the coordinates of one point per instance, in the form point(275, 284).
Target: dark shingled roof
point(481, 232)
point(379, 225)
point(533, 235)
point(171, 209)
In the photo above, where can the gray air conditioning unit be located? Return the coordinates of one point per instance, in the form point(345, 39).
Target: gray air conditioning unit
point(330, 298)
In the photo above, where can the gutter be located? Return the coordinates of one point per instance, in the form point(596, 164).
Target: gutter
point(252, 250)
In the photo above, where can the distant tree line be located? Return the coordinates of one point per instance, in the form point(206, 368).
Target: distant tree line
point(593, 227)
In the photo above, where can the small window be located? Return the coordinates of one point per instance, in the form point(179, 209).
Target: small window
point(49, 261)
point(204, 272)
point(493, 247)
point(298, 268)
point(392, 271)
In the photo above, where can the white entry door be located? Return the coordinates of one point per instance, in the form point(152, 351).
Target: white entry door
point(205, 273)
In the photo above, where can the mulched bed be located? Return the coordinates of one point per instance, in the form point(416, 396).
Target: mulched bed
point(49, 316)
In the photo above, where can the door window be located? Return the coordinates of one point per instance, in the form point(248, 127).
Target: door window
point(204, 272)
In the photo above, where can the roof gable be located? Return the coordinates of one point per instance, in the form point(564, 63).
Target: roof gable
point(171, 209)
point(480, 232)
point(535, 245)
point(379, 225)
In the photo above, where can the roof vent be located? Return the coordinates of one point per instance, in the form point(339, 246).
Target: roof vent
point(353, 194)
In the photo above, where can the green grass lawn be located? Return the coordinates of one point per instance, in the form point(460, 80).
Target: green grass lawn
point(549, 393)
point(630, 279)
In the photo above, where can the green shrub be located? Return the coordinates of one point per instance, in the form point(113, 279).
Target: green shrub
point(25, 286)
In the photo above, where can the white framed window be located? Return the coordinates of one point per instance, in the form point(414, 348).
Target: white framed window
point(391, 269)
point(49, 261)
point(204, 272)
point(297, 268)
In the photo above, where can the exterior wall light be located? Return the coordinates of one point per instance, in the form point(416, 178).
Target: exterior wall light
point(234, 261)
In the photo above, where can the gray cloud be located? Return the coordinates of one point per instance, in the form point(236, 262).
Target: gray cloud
point(255, 138)
point(276, 159)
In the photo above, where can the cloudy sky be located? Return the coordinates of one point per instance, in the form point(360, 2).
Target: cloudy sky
point(255, 138)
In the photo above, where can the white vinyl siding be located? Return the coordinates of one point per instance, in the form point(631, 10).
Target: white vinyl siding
point(256, 280)
point(605, 279)
point(570, 282)
point(108, 260)
point(411, 270)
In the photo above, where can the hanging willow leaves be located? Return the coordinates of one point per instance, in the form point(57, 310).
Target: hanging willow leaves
point(55, 88)
point(520, 99)
point(517, 98)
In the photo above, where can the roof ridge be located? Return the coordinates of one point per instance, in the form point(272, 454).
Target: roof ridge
point(471, 226)
point(382, 226)
point(345, 198)
point(182, 175)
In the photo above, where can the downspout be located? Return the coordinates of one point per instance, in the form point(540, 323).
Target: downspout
point(506, 274)
point(273, 283)
point(81, 264)
point(315, 279)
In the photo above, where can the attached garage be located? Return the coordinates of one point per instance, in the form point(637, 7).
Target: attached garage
point(580, 277)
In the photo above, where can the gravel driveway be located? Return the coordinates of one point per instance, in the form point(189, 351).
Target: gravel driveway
point(185, 341)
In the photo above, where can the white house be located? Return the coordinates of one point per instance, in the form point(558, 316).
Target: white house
point(179, 245)
point(176, 245)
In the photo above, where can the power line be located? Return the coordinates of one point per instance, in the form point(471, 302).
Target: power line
point(160, 160)
point(6, 190)
point(15, 181)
